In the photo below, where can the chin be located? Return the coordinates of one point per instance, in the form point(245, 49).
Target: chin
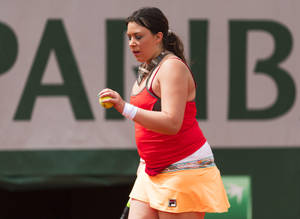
point(140, 60)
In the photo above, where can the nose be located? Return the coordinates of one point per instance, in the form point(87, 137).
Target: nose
point(132, 42)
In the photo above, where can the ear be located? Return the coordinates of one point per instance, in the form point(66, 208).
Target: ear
point(159, 37)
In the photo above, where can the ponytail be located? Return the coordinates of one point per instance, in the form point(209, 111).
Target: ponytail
point(173, 44)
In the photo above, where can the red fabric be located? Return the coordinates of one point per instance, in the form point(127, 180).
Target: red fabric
point(160, 150)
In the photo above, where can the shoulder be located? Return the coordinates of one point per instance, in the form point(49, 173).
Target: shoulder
point(172, 60)
point(173, 65)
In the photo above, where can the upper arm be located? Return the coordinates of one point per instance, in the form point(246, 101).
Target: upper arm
point(173, 80)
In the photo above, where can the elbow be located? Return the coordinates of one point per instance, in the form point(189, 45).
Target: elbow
point(174, 128)
point(169, 124)
point(173, 131)
point(173, 124)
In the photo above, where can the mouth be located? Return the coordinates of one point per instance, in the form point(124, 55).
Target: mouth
point(136, 53)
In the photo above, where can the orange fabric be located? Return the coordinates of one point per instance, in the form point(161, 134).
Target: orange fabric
point(193, 190)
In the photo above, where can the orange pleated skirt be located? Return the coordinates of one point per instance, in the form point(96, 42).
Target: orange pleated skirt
point(187, 190)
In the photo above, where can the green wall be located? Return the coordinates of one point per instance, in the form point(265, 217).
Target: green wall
point(275, 178)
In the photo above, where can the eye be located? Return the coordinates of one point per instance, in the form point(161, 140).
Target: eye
point(129, 37)
point(138, 37)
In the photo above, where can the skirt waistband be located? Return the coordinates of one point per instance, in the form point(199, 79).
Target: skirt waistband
point(203, 163)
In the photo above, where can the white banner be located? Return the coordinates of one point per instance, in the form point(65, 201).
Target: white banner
point(56, 55)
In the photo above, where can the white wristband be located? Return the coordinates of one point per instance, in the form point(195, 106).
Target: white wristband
point(129, 111)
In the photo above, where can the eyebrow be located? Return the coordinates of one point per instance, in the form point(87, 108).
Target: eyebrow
point(137, 32)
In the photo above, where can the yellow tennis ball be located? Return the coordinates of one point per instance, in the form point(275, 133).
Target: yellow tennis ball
point(105, 105)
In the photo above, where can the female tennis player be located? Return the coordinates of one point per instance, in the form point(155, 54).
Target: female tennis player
point(177, 177)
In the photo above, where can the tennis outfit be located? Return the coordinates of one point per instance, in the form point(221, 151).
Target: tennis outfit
point(177, 172)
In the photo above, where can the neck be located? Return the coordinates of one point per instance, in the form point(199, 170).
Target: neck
point(148, 67)
point(154, 56)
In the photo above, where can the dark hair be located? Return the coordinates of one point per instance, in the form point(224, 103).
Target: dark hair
point(154, 20)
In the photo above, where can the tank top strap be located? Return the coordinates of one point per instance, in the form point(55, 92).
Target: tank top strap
point(151, 82)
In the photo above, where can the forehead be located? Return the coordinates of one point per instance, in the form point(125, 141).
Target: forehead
point(133, 28)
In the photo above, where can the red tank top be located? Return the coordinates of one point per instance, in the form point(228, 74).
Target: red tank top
point(160, 150)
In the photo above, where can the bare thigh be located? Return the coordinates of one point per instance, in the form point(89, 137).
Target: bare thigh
point(188, 215)
point(141, 210)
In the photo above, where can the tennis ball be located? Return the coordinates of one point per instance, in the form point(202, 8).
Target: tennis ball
point(105, 105)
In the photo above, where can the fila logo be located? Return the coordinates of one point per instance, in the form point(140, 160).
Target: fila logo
point(172, 203)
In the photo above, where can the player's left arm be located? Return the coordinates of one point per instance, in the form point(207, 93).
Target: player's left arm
point(173, 79)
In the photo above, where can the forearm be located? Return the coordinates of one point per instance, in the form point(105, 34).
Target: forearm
point(164, 122)
point(161, 122)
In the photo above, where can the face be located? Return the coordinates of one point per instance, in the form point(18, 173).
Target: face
point(143, 44)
